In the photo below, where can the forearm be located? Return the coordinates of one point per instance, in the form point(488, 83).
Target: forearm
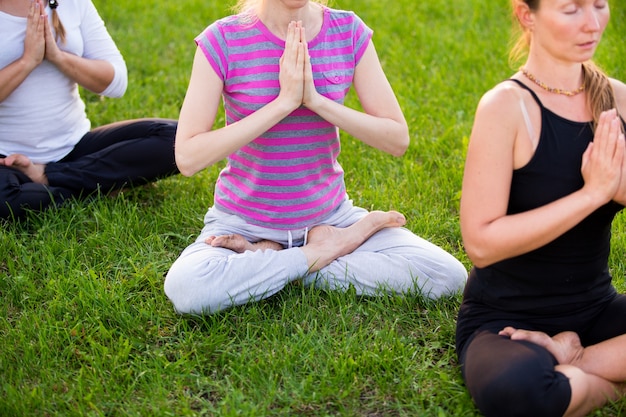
point(13, 75)
point(516, 234)
point(383, 133)
point(196, 151)
point(94, 75)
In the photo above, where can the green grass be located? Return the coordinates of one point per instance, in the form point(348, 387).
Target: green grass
point(85, 328)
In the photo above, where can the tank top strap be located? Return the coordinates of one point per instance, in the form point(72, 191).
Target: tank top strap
point(527, 88)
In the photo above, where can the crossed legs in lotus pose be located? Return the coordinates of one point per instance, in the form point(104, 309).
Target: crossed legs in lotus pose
point(325, 243)
point(597, 373)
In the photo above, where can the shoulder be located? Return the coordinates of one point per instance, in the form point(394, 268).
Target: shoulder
point(76, 9)
point(500, 117)
point(338, 17)
point(227, 23)
point(75, 4)
point(501, 99)
point(339, 13)
point(235, 20)
point(220, 29)
point(78, 5)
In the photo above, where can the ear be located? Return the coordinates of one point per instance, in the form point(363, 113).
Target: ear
point(525, 16)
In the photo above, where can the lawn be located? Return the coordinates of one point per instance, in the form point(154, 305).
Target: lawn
point(86, 330)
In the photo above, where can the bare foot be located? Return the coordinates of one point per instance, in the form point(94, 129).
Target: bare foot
point(565, 346)
point(239, 244)
point(23, 163)
point(327, 243)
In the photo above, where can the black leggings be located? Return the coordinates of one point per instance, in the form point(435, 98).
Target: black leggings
point(516, 378)
point(110, 157)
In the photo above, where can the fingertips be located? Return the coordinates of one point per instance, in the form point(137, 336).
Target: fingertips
point(507, 331)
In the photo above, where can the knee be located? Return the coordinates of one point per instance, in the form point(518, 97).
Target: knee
point(179, 291)
point(523, 392)
point(15, 207)
point(9, 213)
point(446, 279)
point(166, 128)
point(456, 274)
point(187, 291)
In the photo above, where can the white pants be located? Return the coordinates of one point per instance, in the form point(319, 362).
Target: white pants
point(206, 279)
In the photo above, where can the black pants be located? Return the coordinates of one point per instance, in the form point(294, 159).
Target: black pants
point(517, 378)
point(110, 157)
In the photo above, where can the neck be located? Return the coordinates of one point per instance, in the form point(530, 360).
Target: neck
point(276, 18)
point(554, 73)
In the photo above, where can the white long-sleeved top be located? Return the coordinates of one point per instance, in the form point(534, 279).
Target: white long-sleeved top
point(45, 116)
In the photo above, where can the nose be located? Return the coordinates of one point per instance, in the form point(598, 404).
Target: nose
point(592, 19)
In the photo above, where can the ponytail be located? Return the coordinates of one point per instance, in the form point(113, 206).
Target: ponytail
point(59, 30)
point(599, 91)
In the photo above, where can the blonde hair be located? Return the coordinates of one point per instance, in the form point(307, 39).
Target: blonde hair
point(598, 88)
point(59, 29)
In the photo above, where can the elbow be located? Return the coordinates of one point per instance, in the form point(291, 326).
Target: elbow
point(399, 151)
point(116, 87)
point(121, 79)
point(402, 144)
point(476, 250)
point(477, 260)
point(185, 171)
point(121, 89)
point(478, 254)
point(184, 166)
point(480, 246)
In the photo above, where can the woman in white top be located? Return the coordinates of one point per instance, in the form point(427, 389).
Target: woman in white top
point(48, 151)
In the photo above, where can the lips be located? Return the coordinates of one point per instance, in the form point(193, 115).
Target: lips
point(588, 45)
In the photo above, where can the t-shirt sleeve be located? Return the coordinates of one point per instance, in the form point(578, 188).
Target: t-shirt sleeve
point(212, 42)
point(98, 44)
point(362, 36)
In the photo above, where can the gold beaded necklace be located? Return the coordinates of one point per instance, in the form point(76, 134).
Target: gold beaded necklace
point(551, 89)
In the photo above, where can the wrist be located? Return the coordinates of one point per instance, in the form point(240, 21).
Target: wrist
point(285, 104)
point(28, 64)
point(57, 58)
point(314, 102)
point(594, 198)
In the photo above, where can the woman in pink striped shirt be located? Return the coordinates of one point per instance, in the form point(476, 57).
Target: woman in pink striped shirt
point(282, 69)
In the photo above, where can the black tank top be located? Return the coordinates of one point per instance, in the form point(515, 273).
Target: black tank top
point(569, 274)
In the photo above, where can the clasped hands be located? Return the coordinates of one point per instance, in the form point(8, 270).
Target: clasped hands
point(39, 42)
point(296, 74)
point(604, 162)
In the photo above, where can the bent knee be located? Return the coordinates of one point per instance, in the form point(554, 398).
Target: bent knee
point(524, 394)
point(178, 290)
point(447, 280)
point(189, 291)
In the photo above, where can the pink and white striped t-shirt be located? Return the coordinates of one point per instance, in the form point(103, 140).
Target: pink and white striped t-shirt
point(289, 177)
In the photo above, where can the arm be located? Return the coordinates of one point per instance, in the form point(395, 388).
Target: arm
point(489, 234)
point(94, 75)
point(15, 73)
point(197, 144)
point(101, 68)
point(382, 124)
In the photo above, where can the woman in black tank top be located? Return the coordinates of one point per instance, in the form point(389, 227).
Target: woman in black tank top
point(541, 330)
